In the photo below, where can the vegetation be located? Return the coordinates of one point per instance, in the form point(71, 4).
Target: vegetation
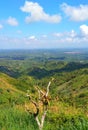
point(22, 70)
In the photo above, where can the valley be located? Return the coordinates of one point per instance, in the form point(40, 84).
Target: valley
point(22, 70)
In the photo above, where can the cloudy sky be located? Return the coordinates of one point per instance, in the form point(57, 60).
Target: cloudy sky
point(26, 24)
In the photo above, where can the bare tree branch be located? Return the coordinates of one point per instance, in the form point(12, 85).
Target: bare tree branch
point(38, 122)
point(43, 93)
point(43, 97)
point(43, 118)
point(48, 88)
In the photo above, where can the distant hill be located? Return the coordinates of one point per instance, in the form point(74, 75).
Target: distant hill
point(70, 84)
point(22, 71)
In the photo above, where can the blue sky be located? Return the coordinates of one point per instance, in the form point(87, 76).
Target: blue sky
point(28, 24)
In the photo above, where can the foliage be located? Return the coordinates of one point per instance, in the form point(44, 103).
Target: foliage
point(22, 70)
point(12, 119)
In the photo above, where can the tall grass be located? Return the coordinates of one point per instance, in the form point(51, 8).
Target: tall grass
point(13, 119)
point(17, 119)
point(64, 122)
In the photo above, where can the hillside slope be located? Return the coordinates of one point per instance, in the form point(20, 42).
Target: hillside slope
point(8, 92)
point(70, 81)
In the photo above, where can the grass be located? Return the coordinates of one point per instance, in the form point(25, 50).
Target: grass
point(61, 116)
point(64, 122)
point(15, 118)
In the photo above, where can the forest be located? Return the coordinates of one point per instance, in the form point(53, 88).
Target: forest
point(22, 71)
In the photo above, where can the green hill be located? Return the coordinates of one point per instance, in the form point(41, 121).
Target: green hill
point(68, 108)
point(70, 81)
point(9, 93)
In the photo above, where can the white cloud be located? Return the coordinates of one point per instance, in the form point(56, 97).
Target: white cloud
point(55, 40)
point(84, 30)
point(58, 34)
point(71, 34)
point(36, 13)
point(12, 21)
point(1, 26)
point(32, 38)
point(79, 13)
point(44, 36)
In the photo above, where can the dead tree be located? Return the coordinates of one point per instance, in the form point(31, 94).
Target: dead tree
point(44, 99)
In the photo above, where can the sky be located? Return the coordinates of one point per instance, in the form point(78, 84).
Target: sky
point(35, 24)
